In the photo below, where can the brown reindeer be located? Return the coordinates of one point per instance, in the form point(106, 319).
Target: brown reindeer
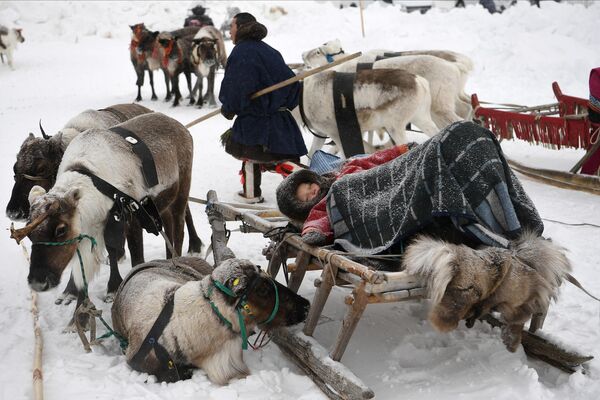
point(466, 283)
point(78, 208)
point(175, 59)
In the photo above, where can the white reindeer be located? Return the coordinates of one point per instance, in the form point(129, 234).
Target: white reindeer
point(446, 79)
point(383, 98)
point(9, 38)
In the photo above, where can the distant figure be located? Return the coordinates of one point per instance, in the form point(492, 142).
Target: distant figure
point(9, 38)
point(225, 26)
point(198, 18)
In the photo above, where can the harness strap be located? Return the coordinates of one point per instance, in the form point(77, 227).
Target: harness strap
point(145, 211)
point(141, 150)
point(345, 114)
point(167, 368)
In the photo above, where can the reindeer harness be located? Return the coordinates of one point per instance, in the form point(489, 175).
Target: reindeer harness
point(124, 206)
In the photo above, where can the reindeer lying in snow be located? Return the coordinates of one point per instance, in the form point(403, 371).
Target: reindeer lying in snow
point(383, 98)
point(75, 209)
point(197, 334)
point(37, 164)
point(208, 54)
point(446, 81)
point(466, 283)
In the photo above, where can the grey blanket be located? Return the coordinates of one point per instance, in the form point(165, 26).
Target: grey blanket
point(459, 174)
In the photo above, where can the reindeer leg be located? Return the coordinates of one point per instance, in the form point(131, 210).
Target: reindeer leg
point(200, 84)
point(115, 277)
point(69, 294)
point(139, 83)
point(210, 92)
point(195, 244)
point(167, 85)
point(177, 93)
point(151, 75)
point(188, 78)
point(135, 242)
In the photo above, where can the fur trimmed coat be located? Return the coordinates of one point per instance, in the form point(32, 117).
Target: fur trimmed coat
point(265, 121)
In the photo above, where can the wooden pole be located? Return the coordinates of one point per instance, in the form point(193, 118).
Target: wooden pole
point(279, 85)
point(37, 375)
point(362, 20)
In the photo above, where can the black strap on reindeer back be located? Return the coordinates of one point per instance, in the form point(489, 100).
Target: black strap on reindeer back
point(142, 151)
point(345, 114)
point(167, 371)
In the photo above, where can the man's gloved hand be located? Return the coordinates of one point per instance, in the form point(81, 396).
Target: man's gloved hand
point(314, 238)
point(226, 114)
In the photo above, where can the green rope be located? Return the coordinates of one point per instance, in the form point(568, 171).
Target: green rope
point(241, 304)
point(77, 239)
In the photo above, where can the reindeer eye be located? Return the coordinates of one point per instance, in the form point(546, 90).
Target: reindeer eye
point(60, 230)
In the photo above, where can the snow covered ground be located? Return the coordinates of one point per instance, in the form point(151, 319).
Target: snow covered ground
point(75, 57)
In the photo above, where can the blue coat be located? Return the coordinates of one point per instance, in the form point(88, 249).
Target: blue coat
point(251, 66)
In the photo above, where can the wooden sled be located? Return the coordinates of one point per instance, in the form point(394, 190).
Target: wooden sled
point(367, 287)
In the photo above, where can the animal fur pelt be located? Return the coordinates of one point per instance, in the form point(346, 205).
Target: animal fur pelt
point(466, 283)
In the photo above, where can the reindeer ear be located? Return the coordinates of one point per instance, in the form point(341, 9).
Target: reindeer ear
point(31, 136)
point(73, 196)
point(132, 27)
point(155, 33)
point(36, 192)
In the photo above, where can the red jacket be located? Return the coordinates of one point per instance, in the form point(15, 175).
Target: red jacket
point(318, 220)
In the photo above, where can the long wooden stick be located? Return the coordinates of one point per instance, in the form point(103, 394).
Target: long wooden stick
point(279, 85)
point(362, 21)
point(37, 375)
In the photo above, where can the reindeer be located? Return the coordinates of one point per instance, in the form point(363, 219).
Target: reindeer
point(175, 54)
point(383, 98)
point(75, 208)
point(467, 283)
point(446, 79)
point(148, 49)
point(9, 39)
point(209, 307)
point(139, 60)
point(208, 54)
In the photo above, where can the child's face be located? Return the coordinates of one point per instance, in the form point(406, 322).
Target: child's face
point(307, 191)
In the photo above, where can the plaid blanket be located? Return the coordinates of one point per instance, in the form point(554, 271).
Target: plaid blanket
point(460, 174)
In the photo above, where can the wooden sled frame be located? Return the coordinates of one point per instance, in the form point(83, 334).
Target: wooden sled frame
point(368, 287)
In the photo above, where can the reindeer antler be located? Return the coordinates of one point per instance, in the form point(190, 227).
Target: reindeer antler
point(19, 234)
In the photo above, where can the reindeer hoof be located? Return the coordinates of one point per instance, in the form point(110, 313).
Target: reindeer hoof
point(154, 97)
point(65, 298)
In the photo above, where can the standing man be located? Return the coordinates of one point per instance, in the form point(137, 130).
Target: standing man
point(264, 135)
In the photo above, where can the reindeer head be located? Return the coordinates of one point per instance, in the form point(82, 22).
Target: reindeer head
point(137, 30)
point(19, 35)
point(146, 44)
point(205, 51)
point(265, 301)
point(37, 164)
point(323, 54)
point(53, 218)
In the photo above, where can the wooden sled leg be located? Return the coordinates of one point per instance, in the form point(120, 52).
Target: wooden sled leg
point(537, 321)
point(324, 286)
point(357, 303)
point(297, 275)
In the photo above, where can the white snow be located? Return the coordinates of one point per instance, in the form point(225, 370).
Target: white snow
point(75, 57)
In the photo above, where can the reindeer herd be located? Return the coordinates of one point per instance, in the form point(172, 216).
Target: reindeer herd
point(109, 174)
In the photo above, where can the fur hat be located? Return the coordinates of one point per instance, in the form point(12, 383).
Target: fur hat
point(594, 111)
point(251, 31)
point(287, 202)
